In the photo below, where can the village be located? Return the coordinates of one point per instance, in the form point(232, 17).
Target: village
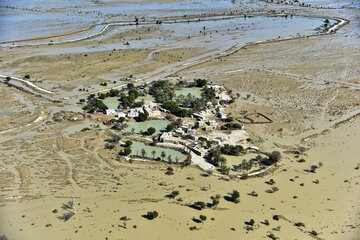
point(181, 123)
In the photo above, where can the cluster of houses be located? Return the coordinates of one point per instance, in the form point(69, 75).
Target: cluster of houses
point(151, 109)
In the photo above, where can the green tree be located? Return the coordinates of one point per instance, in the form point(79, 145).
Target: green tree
point(153, 153)
point(169, 159)
point(170, 127)
point(8, 78)
point(82, 100)
point(122, 119)
point(201, 82)
point(143, 153)
point(127, 151)
point(163, 155)
point(142, 117)
point(151, 130)
point(128, 143)
point(222, 161)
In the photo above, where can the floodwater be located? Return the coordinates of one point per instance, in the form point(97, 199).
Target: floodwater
point(195, 92)
point(85, 124)
point(112, 102)
point(25, 19)
point(159, 125)
point(136, 148)
point(214, 34)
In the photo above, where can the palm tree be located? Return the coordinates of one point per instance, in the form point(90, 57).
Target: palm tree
point(163, 155)
point(170, 159)
point(222, 161)
point(153, 153)
point(176, 160)
point(143, 153)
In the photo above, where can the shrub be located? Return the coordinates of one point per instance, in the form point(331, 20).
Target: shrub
point(152, 215)
point(274, 157)
point(215, 202)
point(203, 218)
point(174, 193)
point(276, 217)
point(199, 205)
point(299, 224)
point(252, 222)
point(235, 195)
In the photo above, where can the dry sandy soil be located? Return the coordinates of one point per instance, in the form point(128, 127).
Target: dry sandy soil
point(308, 87)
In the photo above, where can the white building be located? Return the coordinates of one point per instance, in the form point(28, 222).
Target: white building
point(121, 114)
point(191, 131)
point(222, 116)
point(148, 111)
point(110, 111)
point(133, 113)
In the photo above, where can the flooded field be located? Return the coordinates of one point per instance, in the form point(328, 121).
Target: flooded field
point(162, 153)
point(83, 126)
point(195, 92)
point(159, 125)
point(28, 19)
point(112, 102)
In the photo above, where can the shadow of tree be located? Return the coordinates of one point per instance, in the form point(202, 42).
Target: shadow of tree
point(66, 216)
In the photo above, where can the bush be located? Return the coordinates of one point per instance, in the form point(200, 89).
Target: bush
point(152, 215)
point(128, 143)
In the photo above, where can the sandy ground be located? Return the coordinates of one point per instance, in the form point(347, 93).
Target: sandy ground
point(309, 88)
